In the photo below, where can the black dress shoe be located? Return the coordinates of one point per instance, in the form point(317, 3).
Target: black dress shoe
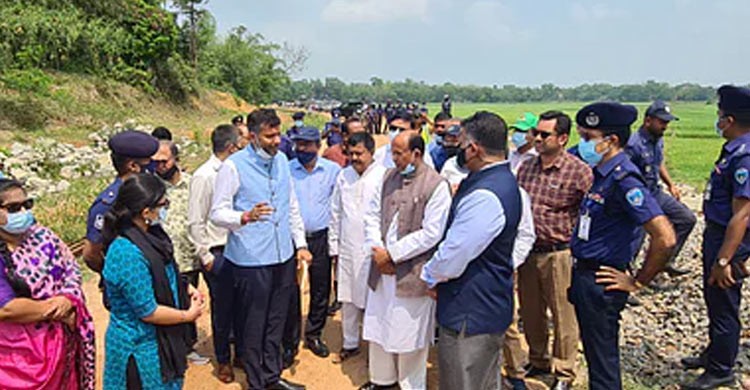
point(561, 385)
point(709, 381)
point(372, 386)
point(346, 354)
point(335, 306)
point(674, 272)
point(532, 371)
point(318, 347)
point(287, 358)
point(694, 362)
point(284, 384)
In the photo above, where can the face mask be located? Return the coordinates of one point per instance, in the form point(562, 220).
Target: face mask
point(163, 212)
point(408, 170)
point(168, 175)
point(461, 157)
point(719, 130)
point(262, 153)
point(148, 168)
point(299, 123)
point(439, 139)
point(2, 175)
point(451, 151)
point(19, 223)
point(587, 150)
point(518, 139)
point(306, 157)
point(392, 134)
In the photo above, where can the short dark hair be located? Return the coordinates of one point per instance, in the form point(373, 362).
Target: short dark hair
point(173, 149)
point(742, 118)
point(136, 194)
point(622, 133)
point(364, 138)
point(162, 133)
point(223, 137)
point(405, 116)
point(351, 119)
point(260, 117)
point(238, 119)
point(488, 130)
point(442, 116)
point(120, 163)
point(562, 121)
point(416, 142)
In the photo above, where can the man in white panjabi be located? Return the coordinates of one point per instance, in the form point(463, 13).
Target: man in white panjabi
point(403, 225)
point(346, 233)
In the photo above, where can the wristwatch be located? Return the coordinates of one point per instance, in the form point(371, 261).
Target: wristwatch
point(723, 262)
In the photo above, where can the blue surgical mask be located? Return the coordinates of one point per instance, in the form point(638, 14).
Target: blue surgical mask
point(408, 170)
point(149, 168)
point(519, 139)
point(163, 213)
point(719, 130)
point(2, 175)
point(20, 222)
point(439, 139)
point(306, 157)
point(587, 150)
point(299, 123)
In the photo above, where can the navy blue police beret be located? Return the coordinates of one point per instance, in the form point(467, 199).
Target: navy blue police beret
point(734, 99)
point(134, 144)
point(607, 116)
point(307, 133)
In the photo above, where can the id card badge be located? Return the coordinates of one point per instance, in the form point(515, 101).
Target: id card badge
point(584, 225)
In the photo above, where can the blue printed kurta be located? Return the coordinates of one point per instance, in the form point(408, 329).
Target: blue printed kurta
point(129, 287)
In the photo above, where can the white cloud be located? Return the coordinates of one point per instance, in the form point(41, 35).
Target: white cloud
point(373, 11)
point(595, 12)
point(490, 21)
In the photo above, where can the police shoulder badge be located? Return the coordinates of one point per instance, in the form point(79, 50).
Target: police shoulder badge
point(592, 120)
point(99, 222)
point(635, 197)
point(740, 175)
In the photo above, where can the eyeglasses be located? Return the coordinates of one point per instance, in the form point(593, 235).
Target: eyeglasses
point(543, 134)
point(27, 204)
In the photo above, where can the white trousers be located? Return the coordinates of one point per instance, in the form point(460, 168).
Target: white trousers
point(409, 370)
point(351, 322)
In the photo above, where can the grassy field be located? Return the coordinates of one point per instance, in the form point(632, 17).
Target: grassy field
point(691, 144)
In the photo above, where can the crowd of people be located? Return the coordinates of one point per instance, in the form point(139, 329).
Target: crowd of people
point(445, 235)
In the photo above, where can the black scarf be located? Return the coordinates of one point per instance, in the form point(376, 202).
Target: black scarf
point(173, 341)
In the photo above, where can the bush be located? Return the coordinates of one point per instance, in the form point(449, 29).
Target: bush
point(29, 81)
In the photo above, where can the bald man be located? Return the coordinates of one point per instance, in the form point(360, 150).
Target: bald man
point(403, 224)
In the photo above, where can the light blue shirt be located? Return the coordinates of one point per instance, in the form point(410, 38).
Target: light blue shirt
point(314, 190)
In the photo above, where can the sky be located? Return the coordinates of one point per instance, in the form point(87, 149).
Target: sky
point(499, 42)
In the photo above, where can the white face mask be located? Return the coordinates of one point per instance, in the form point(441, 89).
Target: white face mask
point(262, 153)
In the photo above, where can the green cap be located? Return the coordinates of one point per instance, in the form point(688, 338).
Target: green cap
point(526, 122)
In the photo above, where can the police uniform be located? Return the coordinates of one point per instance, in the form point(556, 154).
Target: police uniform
point(611, 215)
point(646, 151)
point(729, 180)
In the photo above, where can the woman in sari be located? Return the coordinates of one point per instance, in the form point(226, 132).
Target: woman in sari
point(148, 339)
point(46, 332)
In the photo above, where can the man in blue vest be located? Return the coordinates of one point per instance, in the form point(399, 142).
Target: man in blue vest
point(726, 242)
point(254, 198)
point(612, 212)
point(471, 274)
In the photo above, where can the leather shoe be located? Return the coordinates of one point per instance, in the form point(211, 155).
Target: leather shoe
point(335, 306)
point(694, 362)
point(372, 386)
point(674, 272)
point(532, 371)
point(318, 347)
point(225, 373)
point(284, 384)
point(346, 354)
point(561, 385)
point(287, 358)
point(709, 381)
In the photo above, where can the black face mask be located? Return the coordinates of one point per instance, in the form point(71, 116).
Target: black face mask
point(168, 175)
point(451, 151)
point(461, 158)
point(148, 168)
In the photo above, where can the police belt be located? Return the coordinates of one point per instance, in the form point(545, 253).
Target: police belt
point(594, 265)
point(548, 248)
point(319, 234)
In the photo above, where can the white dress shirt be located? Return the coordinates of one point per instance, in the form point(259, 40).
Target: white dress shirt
point(201, 231)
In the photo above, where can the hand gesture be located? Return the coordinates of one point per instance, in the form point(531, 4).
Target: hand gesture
point(59, 308)
point(674, 191)
point(259, 211)
point(721, 276)
point(615, 280)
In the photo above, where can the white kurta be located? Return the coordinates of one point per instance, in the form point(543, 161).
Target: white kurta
point(403, 325)
point(346, 231)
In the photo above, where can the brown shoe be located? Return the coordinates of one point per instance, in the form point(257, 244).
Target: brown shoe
point(225, 373)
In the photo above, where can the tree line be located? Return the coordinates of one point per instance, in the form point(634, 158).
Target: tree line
point(409, 90)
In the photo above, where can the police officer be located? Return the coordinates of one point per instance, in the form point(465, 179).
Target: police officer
point(726, 243)
point(131, 154)
point(287, 146)
point(617, 204)
point(646, 151)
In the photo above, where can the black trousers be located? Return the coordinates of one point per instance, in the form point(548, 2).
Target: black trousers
point(223, 314)
point(320, 291)
point(262, 295)
point(192, 277)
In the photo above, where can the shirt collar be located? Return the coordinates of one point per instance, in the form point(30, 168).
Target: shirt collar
point(494, 164)
point(607, 167)
point(214, 162)
point(298, 166)
point(556, 163)
point(732, 145)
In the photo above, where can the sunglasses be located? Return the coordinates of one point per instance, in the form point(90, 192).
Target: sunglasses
point(543, 134)
point(27, 204)
point(396, 128)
